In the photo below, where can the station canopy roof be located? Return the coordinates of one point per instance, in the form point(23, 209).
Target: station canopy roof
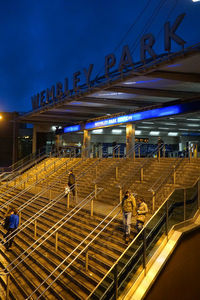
point(170, 78)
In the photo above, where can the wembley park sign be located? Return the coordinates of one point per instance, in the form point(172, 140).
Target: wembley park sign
point(61, 90)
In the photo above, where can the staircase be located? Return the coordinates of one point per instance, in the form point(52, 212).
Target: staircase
point(78, 281)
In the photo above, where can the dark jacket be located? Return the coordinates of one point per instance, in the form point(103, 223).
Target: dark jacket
point(71, 179)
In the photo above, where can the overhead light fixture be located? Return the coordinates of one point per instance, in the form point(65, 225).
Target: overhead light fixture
point(116, 131)
point(182, 129)
point(195, 0)
point(53, 128)
point(138, 132)
point(156, 133)
point(145, 127)
point(130, 82)
point(97, 131)
point(171, 124)
point(172, 133)
point(193, 119)
point(147, 122)
point(163, 128)
point(193, 125)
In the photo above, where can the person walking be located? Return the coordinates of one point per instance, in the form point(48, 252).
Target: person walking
point(13, 224)
point(141, 214)
point(71, 182)
point(128, 209)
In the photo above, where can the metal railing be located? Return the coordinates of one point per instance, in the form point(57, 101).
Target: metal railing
point(157, 227)
point(116, 164)
point(127, 181)
point(20, 182)
point(84, 249)
point(49, 205)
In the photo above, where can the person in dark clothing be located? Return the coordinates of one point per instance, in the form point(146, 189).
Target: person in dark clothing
point(160, 146)
point(71, 182)
point(13, 224)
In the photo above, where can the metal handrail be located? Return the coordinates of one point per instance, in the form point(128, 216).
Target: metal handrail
point(30, 186)
point(116, 163)
point(163, 180)
point(21, 166)
point(42, 238)
point(141, 165)
point(35, 197)
point(135, 238)
point(85, 248)
point(45, 208)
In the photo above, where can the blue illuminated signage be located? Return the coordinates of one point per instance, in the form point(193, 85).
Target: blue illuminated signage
point(72, 128)
point(149, 114)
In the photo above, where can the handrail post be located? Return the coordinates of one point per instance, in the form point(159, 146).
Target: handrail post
point(139, 151)
point(95, 191)
point(35, 229)
point(144, 250)
point(7, 286)
point(119, 152)
point(164, 150)
point(116, 173)
point(153, 200)
point(20, 218)
point(56, 241)
point(184, 208)
point(159, 155)
point(141, 174)
point(76, 192)
point(92, 207)
point(86, 259)
point(116, 282)
point(120, 194)
point(167, 220)
point(68, 200)
point(134, 155)
point(174, 175)
point(96, 172)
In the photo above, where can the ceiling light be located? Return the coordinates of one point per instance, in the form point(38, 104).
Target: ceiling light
point(116, 131)
point(53, 128)
point(138, 132)
point(183, 129)
point(147, 122)
point(147, 127)
point(154, 133)
point(130, 82)
point(193, 125)
point(97, 131)
point(172, 133)
point(193, 119)
point(171, 124)
point(164, 128)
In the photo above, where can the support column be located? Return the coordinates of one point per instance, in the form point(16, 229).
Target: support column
point(34, 142)
point(58, 141)
point(130, 139)
point(86, 144)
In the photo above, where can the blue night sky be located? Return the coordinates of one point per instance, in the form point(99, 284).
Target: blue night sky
point(44, 41)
